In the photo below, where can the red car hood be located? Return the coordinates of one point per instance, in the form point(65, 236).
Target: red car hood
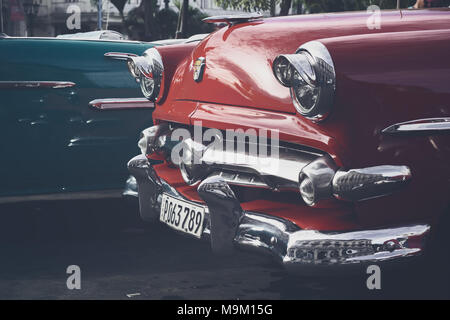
point(239, 58)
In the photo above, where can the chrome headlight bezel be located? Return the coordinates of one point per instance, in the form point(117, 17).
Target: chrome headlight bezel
point(147, 69)
point(311, 68)
point(133, 69)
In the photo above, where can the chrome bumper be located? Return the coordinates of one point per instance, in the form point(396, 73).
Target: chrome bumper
point(228, 226)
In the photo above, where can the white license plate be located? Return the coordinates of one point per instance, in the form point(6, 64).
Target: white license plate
point(182, 215)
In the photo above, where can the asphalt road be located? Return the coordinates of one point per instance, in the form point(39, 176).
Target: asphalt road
point(120, 258)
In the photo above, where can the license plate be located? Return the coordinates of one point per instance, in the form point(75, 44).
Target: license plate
point(182, 215)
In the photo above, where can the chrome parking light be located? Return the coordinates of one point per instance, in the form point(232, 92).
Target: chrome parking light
point(368, 183)
point(315, 180)
point(321, 180)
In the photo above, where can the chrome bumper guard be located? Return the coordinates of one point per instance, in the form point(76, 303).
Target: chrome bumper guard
point(228, 226)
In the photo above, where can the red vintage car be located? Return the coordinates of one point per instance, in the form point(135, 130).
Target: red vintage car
point(321, 140)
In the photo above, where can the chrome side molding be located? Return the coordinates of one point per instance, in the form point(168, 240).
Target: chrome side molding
point(420, 125)
point(63, 195)
point(36, 84)
point(121, 103)
point(119, 55)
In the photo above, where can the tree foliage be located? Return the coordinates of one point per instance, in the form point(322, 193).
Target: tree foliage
point(119, 4)
point(316, 6)
point(247, 5)
point(163, 23)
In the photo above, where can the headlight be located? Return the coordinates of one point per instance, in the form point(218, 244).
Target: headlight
point(310, 75)
point(147, 87)
point(148, 69)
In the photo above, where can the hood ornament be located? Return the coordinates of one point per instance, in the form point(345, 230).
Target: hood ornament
point(234, 19)
point(199, 68)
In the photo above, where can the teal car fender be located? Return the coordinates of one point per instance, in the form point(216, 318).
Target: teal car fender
point(70, 115)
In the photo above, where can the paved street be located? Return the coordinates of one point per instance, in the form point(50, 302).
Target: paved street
point(120, 258)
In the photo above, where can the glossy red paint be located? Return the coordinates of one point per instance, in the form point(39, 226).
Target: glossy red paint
point(395, 74)
point(171, 57)
point(239, 59)
point(408, 81)
point(177, 111)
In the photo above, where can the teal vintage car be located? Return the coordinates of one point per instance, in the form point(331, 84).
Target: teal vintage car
point(69, 116)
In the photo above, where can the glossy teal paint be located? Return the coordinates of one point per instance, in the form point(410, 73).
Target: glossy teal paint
point(51, 140)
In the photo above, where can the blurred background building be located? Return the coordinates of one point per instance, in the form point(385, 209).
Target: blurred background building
point(48, 18)
point(157, 19)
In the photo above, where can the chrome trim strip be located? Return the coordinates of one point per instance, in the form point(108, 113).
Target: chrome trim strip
point(95, 141)
point(78, 39)
point(119, 55)
point(36, 84)
point(241, 179)
point(83, 195)
point(122, 103)
point(419, 125)
point(278, 171)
